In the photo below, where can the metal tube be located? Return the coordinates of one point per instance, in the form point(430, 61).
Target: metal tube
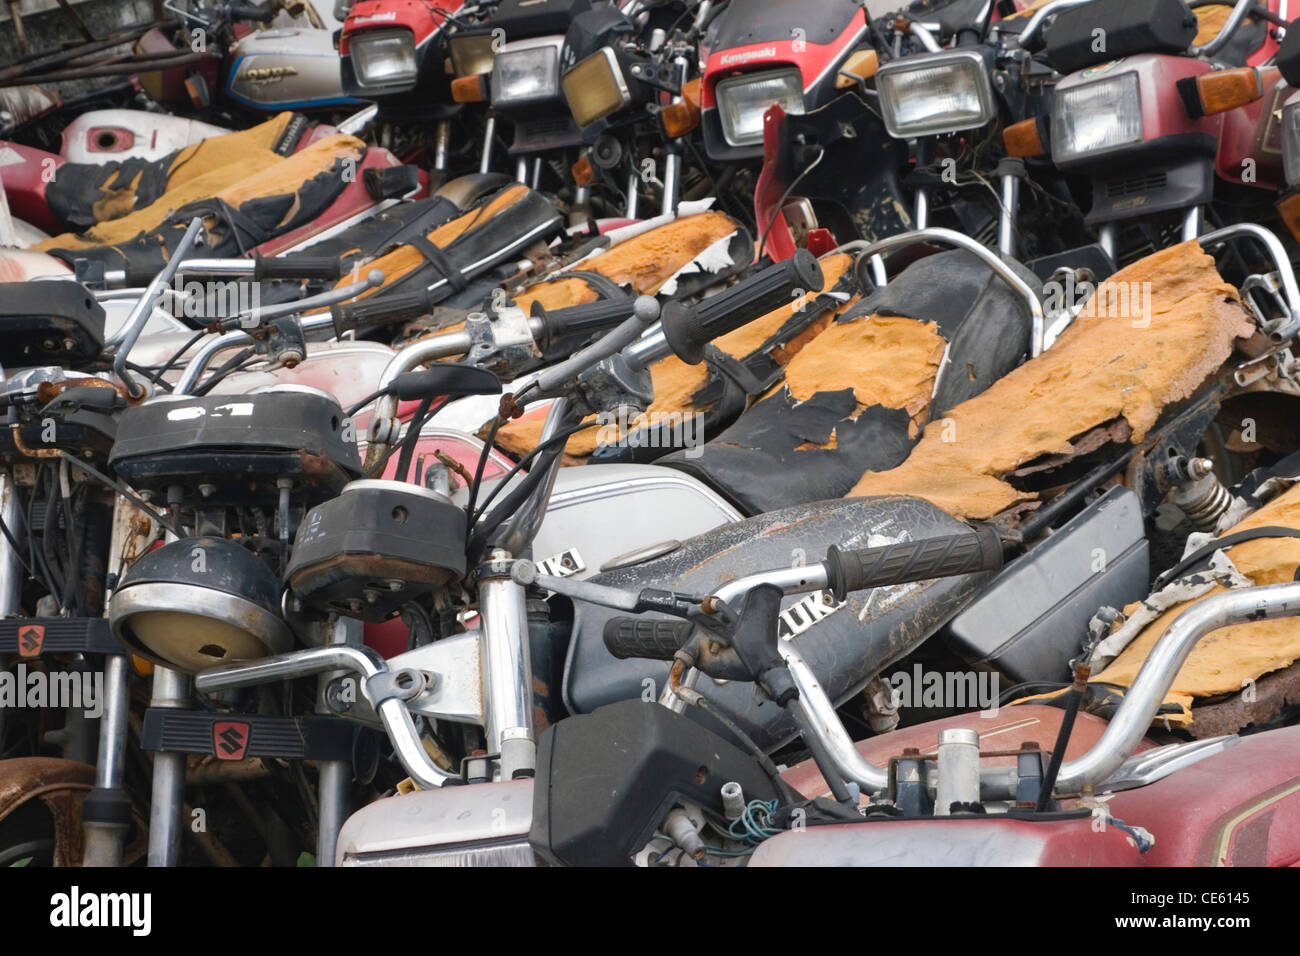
point(11, 569)
point(104, 841)
point(633, 199)
point(1193, 220)
point(392, 712)
point(140, 312)
point(924, 37)
point(1135, 713)
point(489, 134)
point(521, 170)
point(170, 689)
point(507, 673)
point(1281, 264)
point(816, 707)
point(1107, 240)
point(1007, 215)
point(1040, 17)
point(441, 144)
point(672, 182)
point(921, 216)
point(1230, 26)
point(993, 262)
point(334, 779)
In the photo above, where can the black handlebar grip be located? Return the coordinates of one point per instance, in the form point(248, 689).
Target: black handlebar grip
point(688, 328)
point(297, 267)
point(444, 380)
point(247, 11)
point(382, 309)
point(587, 319)
point(946, 556)
point(656, 640)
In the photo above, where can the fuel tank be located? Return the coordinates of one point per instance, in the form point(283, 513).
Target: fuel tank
point(287, 69)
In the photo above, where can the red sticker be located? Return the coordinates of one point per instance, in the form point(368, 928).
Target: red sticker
point(230, 739)
point(30, 640)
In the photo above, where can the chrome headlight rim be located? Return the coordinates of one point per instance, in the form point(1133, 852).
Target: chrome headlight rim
point(549, 50)
point(723, 89)
point(929, 63)
point(357, 47)
point(1066, 158)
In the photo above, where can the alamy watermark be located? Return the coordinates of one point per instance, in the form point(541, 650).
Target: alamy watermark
point(652, 430)
point(1105, 299)
point(62, 690)
point(210, 300)
point(947, 690)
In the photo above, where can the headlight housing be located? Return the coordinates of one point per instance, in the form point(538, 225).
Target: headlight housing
point(933, 93)
point(384, 58)
point(471, 54)
point(1096, 116)
point(596, 87)
point(742, 101)
point(1291, 143)
point(526, 76)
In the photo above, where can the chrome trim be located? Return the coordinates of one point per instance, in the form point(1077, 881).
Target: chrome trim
point(1142, 700)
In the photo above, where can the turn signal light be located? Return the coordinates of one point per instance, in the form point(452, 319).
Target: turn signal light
point(1023, 139)
point(470, 89)
point(1220, 91)
point(861, 65)
point(584, 171)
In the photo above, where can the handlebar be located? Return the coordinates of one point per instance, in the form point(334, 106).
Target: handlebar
point(947, 556)
point(688, 328)
point(247, 11)
point(391, 709)
point(382, 310)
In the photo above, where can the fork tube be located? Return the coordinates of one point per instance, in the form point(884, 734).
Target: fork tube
point(507, 670)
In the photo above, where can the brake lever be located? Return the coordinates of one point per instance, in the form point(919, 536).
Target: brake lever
point(686, 606)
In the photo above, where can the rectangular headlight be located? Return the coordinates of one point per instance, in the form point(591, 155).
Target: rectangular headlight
point(742, 101)
point(933, 93)
point(1096, 116)
point(1291, 143)
point(596, 88)
point(471, 55)
point(523, 76)
point(384, 58)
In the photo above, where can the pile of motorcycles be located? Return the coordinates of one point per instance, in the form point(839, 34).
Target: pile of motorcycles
point(657, 433)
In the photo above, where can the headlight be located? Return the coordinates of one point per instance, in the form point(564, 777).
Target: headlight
point(1291, 143)
point(934, 93)
point(471, 55)
point(522, 76)
point(595, 88)
point(742, 101)
point(1096, 116)
point(384, 58)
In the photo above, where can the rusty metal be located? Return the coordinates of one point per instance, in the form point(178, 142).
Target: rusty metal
point(48, 391)
point(33, 63)
point(61, 785)
point(23, 448)
point(1270, 695)
point(75, 17)
point(453, 465)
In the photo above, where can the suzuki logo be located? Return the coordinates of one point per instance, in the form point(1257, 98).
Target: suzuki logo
point(230, 739)
point(30, 640)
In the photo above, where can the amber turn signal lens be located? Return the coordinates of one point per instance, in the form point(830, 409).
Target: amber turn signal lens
point(584, 171)
point(861, 65)
point(1225, 90)
point(1023, 139)
point(469, 89)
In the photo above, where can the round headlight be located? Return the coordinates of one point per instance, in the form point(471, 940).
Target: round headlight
point(198, 602)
